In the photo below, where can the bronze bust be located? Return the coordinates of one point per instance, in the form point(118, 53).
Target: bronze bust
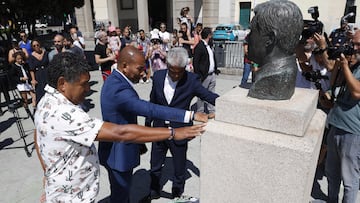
point(275, 32)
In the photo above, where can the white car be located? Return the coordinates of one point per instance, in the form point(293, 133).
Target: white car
point(41, 25)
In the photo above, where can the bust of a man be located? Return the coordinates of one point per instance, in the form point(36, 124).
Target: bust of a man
point(275, 32)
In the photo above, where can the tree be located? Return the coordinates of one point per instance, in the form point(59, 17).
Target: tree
point(27, 11)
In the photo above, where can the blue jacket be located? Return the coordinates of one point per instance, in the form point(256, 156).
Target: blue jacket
point(188, 87)
point(121, 104)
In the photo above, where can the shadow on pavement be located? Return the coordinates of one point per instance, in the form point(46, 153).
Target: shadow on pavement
point(141, 180)
point(4, 125)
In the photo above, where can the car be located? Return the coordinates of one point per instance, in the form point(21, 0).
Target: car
point(41, 25)
point(229, 32)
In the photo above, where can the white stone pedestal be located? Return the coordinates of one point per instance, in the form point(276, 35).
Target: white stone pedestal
point(270, 161)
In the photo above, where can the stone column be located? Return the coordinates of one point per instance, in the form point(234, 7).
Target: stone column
point(143, 14)
point(84, 19)
point(261, 150)
point(210, 15)
point(113, 12)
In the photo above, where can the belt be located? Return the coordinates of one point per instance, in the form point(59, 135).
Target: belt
point(211, 73)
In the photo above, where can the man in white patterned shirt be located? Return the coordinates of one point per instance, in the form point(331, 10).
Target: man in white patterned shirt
point(65, 133)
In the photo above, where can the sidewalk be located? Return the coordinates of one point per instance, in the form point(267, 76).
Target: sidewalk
point(21, 176)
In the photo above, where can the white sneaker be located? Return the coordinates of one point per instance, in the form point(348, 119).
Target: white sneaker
point(141, 81)
point(186, 199)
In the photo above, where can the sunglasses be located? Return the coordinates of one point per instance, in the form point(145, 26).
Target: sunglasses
point(22, 36)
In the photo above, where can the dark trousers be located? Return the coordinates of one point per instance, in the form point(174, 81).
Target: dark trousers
point(158, 155)
point(120, 185)
point(4, 87)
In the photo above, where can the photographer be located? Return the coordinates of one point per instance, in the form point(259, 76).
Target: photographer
point(343, 140)
point(313, 63)
point(339, 36)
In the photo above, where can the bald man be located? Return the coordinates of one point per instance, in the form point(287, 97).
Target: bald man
point(58, 44)
point(103, 57)
point(121, 104)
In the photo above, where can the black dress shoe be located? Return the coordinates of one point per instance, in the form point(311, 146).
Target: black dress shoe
point(153, 195)
point(176, 192)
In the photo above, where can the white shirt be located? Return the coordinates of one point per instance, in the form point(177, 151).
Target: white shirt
point(211, 57)
point(77, 43)
point(65, 135)
point(169, 88)
point(165, 36)
point(169, 91)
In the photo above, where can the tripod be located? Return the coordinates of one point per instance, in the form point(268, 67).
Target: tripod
point(13, 107)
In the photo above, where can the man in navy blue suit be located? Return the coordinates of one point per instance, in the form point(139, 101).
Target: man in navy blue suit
point(173, 87)
point(121, 104)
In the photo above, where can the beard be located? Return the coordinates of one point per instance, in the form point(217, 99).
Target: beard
point(58, 47)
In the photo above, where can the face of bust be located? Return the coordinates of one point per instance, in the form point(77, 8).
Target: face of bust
point(256, 45)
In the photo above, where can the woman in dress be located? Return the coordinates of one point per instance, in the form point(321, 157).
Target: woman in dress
point(21, 76)
point(38, 62)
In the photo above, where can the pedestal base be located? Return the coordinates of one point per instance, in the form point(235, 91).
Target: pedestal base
point(252, 164)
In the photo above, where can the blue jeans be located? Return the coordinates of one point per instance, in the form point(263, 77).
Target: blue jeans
point(342, 164)
point(246, 73)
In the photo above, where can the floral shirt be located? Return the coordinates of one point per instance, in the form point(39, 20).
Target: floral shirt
point(65, 135)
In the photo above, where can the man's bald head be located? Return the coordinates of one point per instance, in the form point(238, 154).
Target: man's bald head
point(129, 54)
point(131, 63)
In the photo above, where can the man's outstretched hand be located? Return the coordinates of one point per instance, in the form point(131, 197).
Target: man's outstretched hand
point(201, 117)
point(189, 132)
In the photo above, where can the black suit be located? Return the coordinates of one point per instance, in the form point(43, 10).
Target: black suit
point(186, 89)
point(201, 61)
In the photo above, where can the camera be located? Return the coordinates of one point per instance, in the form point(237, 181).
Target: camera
point(334, 52)
point(315, 76)
point(312, 26)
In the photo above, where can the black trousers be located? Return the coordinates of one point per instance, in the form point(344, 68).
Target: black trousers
point(158, 155)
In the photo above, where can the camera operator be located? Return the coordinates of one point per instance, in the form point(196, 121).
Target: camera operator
point(343, 139)
point(313, 63)
point(340, 36)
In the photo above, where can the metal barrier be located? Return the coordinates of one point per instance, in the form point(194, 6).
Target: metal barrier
point(229, 54)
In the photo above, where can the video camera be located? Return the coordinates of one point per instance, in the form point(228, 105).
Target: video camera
point(312, 26)
point(315, 76)
point(334, 50)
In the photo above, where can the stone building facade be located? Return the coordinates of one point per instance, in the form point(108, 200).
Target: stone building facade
point(147, 14)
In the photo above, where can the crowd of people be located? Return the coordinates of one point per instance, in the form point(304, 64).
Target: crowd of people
point(336, 76)
point(56, 80)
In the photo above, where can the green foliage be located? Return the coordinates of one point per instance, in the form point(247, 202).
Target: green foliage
point(30, 10)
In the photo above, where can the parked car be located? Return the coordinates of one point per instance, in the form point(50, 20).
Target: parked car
point(229, 32)
point(40, 25)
